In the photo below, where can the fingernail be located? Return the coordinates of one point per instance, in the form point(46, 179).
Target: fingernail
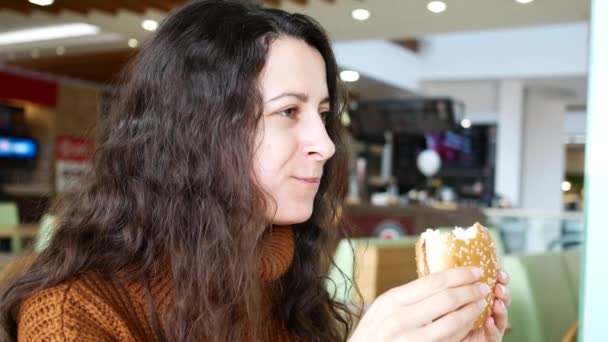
point(484, 288)
point(504, 275)
point(477, 272)
point(481, 304)
point(490, 320)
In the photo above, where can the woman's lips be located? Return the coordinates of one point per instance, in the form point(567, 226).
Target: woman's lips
point(309, 180)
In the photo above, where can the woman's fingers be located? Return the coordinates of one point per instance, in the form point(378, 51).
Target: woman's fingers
point(503, 277)
point(420, 289)
point(501, 315)
point(446, 301)
point(491, 331)
point(455, 325)
point(502, 292)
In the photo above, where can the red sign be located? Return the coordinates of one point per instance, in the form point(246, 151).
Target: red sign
point(74, 149)
point(17, 87)
point(73, 160)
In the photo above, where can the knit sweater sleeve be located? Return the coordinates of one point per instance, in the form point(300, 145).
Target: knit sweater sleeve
point(59, 314)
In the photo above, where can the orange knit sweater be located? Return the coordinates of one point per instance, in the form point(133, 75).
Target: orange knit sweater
point(92, 308)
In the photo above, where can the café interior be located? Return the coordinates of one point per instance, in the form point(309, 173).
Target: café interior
point(460, 112)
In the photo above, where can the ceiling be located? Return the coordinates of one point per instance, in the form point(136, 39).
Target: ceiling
point(111, 7)
point(403, 21)
point(394, 19)
point(409, 18)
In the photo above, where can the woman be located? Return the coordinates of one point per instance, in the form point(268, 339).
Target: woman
point(210, 210)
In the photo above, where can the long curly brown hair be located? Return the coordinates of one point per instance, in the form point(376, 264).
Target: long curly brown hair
point(170, 180)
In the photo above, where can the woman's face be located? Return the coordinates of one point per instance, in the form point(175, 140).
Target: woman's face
point(292, 144)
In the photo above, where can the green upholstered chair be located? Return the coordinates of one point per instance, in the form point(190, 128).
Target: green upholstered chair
point(9, 216)
point(341, 274)
point(572, 263)
point(523, 315)
point(543, 306)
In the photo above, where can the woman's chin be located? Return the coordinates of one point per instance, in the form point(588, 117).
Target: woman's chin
point(292, 218)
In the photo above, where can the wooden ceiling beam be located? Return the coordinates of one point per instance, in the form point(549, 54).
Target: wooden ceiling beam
point(409, 43)
point(23, 8)
point(103, 6)
point(85, 6)
point(156, 4)
point(131, 6)
point(100, 67)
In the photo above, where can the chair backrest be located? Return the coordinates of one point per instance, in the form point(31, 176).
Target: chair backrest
point(552, 299)
point(9, 214)
point(375, 264)
point(572, 263)
point(523, 315)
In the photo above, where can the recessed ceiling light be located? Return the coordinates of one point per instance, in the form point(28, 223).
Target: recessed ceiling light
point(47, 33)
point(42, 2)
point(149, 25)
point(360, 14)
point(465, 123)
point(60, 51)
point(349, 76)
point(133, 43)
point(524, 1)
point(436, 6)
point(566, 186)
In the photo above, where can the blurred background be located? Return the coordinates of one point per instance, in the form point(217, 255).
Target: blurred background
point(461, 111)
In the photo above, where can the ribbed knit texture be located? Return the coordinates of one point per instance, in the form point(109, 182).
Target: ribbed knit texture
point(93, 308)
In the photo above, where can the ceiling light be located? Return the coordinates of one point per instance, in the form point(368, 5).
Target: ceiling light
point(47, 33)
point(436, 6)
point(349, 76)
point(60, 51)
point(465, 123)
point(360, 14)
point(566, 186)
point(524, 1)
point(42, 2)
point(133, 43)
point(149, 25)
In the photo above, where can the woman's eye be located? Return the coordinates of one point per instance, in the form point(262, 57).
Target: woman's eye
point(325, 116)
point(289, 112)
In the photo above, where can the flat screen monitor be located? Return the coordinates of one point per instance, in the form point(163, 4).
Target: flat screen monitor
point(18, 148)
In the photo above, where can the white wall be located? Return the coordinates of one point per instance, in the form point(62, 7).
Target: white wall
point(509, 140)
point(380, 59)
point(543, 151)
point(594, 299)
point(575, 123)
point(551, 50)
point(532, 52)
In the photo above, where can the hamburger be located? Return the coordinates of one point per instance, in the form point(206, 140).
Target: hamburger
point(472, 246)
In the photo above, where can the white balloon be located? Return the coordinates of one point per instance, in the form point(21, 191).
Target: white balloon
point(428, 162)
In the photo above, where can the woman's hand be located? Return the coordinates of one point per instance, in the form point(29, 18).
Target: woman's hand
point(440, 306)
point(494, 327)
